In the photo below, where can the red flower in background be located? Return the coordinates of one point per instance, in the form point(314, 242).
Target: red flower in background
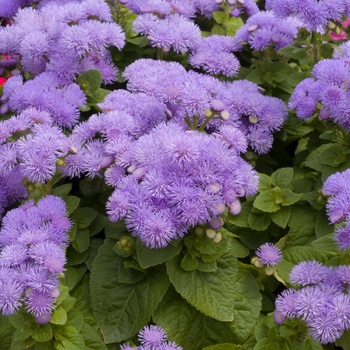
point(2, 81)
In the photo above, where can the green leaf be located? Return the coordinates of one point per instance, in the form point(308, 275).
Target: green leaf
point(73, 275)
point(302, 225)
point(62, 191)
point(344, 341)
point(6, 332)
point(282, 177)
point(98, 224)
point(259, 221)
point(238, 249)
point(323, 226)
point(93, 340)
point(148, 257)
point(265, 183)
point(43, 333)
point(266, 202)
point(289, 197)
point(84, 216)
point(68, 338)
point(223, 346)
point(72, 203)
point(220, 16)
point(247, 304)
point(122, 309)
point(81, 240)
point(232, 25)
point(209, 292)
point(189, 263)
point(321, 156)
point(325, 243)
point(241, 220)
point(281, 217)
point(59, 316)
point(90, 80)
point(188, 327)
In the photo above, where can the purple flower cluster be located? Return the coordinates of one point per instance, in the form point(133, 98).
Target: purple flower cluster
point(264, 29)
point(338, 206)
point(60, 103)
point(33, 239)
point(67, 39)
point(204, 101)
point(214, 55)
point(126, 116)
point(176, 180)
point(172, 32)
point(152, 338)
point(320, 299)
point(163, 8)
point(9, 8)
point(313, 14)
point(329, 87)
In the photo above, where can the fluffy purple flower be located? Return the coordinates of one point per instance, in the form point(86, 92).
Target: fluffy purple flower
point(213, 54)
point(264, 29)
point(33, 242)
point(268, 254)
point(314, 15)
point(175, 31)
point(308, 272)
point(167, 190)
point(151, 335)
point(326, 327)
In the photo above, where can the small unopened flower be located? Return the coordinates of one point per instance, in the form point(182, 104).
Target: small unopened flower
point(269, 254)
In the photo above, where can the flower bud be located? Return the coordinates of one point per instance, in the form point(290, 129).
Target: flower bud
point(225, 115)
point(217, 238)
point(210, 233)
point(269, 270)
point(199, 231)
point(216, 223)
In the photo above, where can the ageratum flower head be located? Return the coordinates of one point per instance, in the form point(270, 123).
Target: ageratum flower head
point(153, 337)
point(189, 96)
point(338, 206)
point(172, 32)
point(32, 254)
point(313, 14)
point(328, 87)
point(264, 29)
point(214, 55)
point(322, 301)
point(169, 186)
point(269, 254)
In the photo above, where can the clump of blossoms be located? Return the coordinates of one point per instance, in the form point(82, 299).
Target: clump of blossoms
point(264, 29)
point(125, 117)
point(214, 55)
point(313, 14)
point(329, 87)
point(33, 239)
point(177, 180)
point(338, 206)
point(166, 7)
point(68, 39)
point(319, 297)
point(172, 32)
point(152, 338)
point(204, 102)
point(61, 102)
